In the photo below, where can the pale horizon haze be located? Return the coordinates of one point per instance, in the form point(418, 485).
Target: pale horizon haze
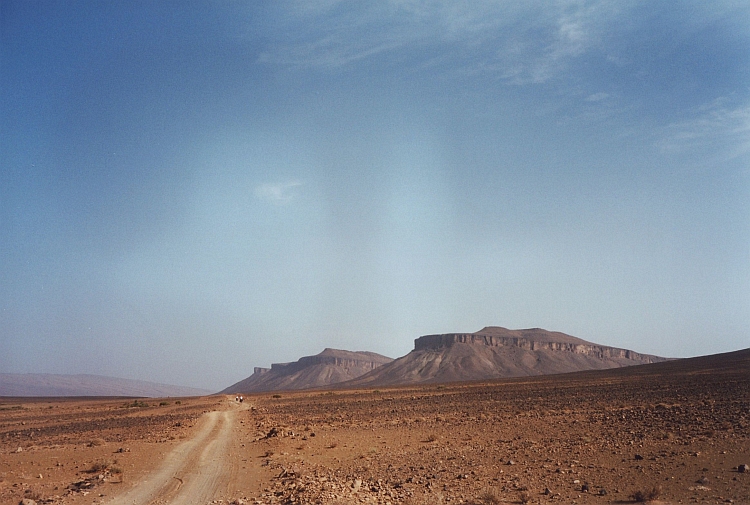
point(192, 189)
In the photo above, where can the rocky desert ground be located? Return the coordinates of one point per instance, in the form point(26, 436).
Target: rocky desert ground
point(674, 432)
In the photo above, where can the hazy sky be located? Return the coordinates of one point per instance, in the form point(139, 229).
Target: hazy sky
point(192, 189)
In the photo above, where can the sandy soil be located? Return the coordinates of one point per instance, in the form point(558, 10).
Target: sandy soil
point(598, 438)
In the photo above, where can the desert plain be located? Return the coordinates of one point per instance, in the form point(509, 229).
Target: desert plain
point(673, 432)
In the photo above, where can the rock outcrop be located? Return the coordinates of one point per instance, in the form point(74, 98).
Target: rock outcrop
point(534, 339)
point(327, 368)
point(495, 352)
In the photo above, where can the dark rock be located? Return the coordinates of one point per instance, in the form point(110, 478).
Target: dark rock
point(743, 468)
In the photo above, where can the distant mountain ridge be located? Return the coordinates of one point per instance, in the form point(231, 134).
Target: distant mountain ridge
point(495, 352)
point(329, 367)
point(31, 384)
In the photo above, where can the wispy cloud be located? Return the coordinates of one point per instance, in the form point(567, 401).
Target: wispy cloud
point(277, 193)
point(566, 31)
point(720, 124)
point(597, 97)
point(522, 42)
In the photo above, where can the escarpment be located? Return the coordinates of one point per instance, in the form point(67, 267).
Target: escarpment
point(495, 352)
point(490, 353)
point(325, 369)
point(528, 343)
point(336, 358)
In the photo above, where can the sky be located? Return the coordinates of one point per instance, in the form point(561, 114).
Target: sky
point(192, 189)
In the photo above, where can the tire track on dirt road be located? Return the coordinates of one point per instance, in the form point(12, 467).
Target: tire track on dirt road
point(196, 471)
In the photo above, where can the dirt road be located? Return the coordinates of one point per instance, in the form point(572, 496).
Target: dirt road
point(196, 471)
point(680, 434)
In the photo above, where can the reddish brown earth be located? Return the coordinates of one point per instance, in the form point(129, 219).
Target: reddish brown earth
point(680, 427)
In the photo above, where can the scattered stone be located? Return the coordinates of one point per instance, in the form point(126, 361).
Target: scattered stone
point(82, 485)
point(273, 433)
point(20, 449)
point(464, 468)
point(27, 501)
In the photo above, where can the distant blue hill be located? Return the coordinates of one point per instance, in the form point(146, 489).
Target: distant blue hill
point(32, 384)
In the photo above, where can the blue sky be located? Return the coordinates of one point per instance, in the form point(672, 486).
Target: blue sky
point(191, 189)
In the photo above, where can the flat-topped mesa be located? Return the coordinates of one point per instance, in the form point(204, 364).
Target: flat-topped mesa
point(533, 339)
point(329, 367)
point(362, 360)
point(333, 360)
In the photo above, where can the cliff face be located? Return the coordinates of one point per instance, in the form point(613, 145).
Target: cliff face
point(495, 352)
point(490, 353)
point(327, 368)
point(588, 349)
point(320, 359)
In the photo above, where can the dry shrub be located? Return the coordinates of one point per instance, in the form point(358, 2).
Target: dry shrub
point(525, 497)
point(97, 442)
point(641, 496)
point(430, 499)
point(488, 497)
point(431, 437)
point(103, 466)
point(32, 494)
